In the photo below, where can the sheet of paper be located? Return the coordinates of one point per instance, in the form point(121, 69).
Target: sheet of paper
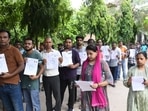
point(31, 66)
point(83, 56)
point(105, 50)
point(85, 85)
point(106, 54)
point(67, 58)
point(132, 53)
point(113, 55)
point(52, 60)
point(3, 64)
point(137, 83)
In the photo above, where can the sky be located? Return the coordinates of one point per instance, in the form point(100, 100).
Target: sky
point(76, 3)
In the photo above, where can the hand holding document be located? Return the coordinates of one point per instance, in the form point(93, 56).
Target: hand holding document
point(67, 58)
point(137, 83)
point(113, 55)
point(83, 56)
point(31, 66)
point(3, 64)
point(52, 60)
point(105, 49)
point(132, 53)
point(85, 85)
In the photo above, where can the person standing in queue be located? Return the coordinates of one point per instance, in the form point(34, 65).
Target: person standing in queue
point(10, 90)
point(30, 83)
point(51, 80)
point(68, 72)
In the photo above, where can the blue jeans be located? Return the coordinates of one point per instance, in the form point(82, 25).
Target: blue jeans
point(32, 100)
point(114, 71)
point(11, 97)
point(123, 65)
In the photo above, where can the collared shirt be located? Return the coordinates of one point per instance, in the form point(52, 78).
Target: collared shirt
point(52, 57)
point(13, 58)
point(114, 57)
point(123, 51)
point(105, 51)
point(83, 57)
point(132, 56)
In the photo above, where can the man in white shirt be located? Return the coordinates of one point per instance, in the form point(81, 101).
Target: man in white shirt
point(51, 81)
point(115, 57)
point(81, 49)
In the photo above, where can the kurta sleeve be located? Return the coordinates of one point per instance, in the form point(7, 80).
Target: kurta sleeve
point(129, 74)
point(107, 75)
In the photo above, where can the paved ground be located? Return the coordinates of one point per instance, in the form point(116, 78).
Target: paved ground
point(117, 98)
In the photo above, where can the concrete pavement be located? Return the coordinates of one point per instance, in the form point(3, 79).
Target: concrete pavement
point(117, 98)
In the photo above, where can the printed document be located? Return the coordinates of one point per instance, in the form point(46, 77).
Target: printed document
point(67, 58)
point(31, 66)
point(52, 60)
point(132, 53)
point(113, 55)
point(83, 56)
point(137, 83)
point(105, 50)
point(85, 85)
point(3, 64)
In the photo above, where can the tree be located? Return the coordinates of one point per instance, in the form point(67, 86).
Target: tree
point(126, 32)
point(11, 13)
point(98, 21)
point(64, 28)
point(145, 24)
point(41, 17)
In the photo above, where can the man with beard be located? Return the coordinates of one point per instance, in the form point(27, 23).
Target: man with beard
point(71, 61)
point(30, 83)
point(10, 91)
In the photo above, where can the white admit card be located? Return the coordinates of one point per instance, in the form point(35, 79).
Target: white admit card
point(3, 64)
point(31, 66)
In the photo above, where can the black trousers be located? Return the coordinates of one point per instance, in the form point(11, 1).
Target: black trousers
point(78, 78)
point(52, 86)
point(71, 88)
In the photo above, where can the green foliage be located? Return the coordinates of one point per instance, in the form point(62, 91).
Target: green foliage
point(98, 21)
point(126, 32)
point(39, 16)
point(11, 14)
point(64, 28)
point(145, 24)
point(42, 17)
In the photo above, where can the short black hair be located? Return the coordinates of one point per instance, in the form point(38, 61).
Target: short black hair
point(68, 38)
point(91, 41)
point(29, 38)
point(60, 44)
point(17, 41)
point(3, 30)
point(92, 47)
point(79, 36)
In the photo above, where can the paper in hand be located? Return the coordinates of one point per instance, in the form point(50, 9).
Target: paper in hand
point(137, 83)
point(85, 85)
